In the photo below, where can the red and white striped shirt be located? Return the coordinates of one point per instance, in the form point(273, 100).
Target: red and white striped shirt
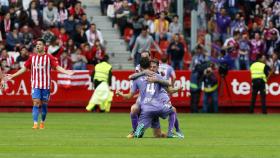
point(40, 66)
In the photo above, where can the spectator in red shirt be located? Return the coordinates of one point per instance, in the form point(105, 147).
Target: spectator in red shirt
point(88, 53)
point(76, 10)
point(63, 36)
point(98, 52)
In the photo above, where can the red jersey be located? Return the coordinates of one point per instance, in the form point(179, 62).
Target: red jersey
point(40, 66)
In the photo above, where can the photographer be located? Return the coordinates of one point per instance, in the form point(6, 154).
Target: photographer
point(210, 90)
point(198, 65)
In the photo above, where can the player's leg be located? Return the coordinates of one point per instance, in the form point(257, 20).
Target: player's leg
point(145, 120)
point(45, 99)
point(36, 98)
point(134, 112)
point(176, 125)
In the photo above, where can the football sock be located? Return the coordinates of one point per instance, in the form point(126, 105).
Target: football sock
point(171, 120)
point(44, 111)
point(134, 120)
point(35, 113)
point(176, 125)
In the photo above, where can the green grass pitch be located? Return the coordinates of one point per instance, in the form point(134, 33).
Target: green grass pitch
point(93, 135)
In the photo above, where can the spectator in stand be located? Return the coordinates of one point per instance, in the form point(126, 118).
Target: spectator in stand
point(35, 19)
point(98, 52)
point(79, 60)
point(268, 17)
point(4, 66)
point(79, 36)
point(48, 35)
point(22, 18)
point(65, 61)
point(10, 61)
point(161, 28)
point(50, 15)
point(13, 41)
point(62, 13)
point(93, 34)
point(255, 29)
point(84, 22)
point(137, 24)
point(86, 51)
point(223, 23)
point(4, 7)
point(24, 55)
point(256, 47)
point(104, 5)
point(63, 36)
point(70, 3)
point(55, 48)
point(175, 27)
point(70, 24)
point(146, 8)
point(26, 37)
point(244, 49)
point(232, 47)
point(150, 24)
point(6, 25)
point(143, 43)
point(161, 5)
point(271, 35)
point(201, 12)
point(176, 52)
point(77, 11)
point(70, 46)
point(122, 15)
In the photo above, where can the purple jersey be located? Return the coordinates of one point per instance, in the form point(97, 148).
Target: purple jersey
point(152, 95)
point(166, 71)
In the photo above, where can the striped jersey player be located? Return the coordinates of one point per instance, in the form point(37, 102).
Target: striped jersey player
point(40, 64)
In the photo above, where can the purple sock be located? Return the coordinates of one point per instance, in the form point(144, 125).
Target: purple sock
point(134, 121)
point(176, 125)
point(172, 118)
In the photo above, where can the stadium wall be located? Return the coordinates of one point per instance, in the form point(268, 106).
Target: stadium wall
point(71, 94)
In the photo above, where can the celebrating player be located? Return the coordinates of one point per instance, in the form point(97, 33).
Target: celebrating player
point(40, 64)
point(153, 104)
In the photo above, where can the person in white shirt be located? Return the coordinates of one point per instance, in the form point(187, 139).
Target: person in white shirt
point(93, 34)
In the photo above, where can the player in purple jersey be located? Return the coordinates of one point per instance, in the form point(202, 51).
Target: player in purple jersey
point(153, 104)
point(135, 108)
point(166, 71)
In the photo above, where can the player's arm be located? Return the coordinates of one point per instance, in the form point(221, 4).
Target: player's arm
point(172, 90)
point(154, 79)
point(139, 74)
point(125, 96)
point(19, 72)
point(62, 70)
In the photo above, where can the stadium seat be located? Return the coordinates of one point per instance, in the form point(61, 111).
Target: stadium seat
point(164, 45)
point(128, 33)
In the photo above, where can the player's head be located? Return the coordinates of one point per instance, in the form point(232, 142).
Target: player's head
point(154, 65)
point(40, 45)
point(145, 54)
point(145, 63)
point(164, 59)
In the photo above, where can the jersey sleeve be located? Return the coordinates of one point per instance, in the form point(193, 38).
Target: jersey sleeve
point(134, 87)
point(54, 61)
point(28, 62)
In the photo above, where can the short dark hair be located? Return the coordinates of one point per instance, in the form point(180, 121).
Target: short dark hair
point(105, 58)
point(155, 61)
point(259, 56)
point(145, 28)
point(164, 58)
point(41, 40)
point(176, 16)
point(145, 63)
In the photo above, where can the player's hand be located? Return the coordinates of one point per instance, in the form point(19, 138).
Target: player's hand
point(70, 72)
point(7, 77)
point(119, 93)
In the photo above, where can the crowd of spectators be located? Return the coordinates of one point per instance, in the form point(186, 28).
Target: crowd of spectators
point(63, 24)
point(239, 30)
point(148, 25)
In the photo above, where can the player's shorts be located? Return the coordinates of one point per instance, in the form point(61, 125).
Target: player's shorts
point(150, 118)
point(42, 94)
